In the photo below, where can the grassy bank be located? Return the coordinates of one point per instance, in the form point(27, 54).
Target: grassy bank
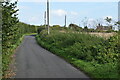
point(7, 60)
point(96, 56)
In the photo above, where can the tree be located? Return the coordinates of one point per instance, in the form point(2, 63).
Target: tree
point(12, 31)
point(99, 22)
point(85, 21)
point(118, 24)
point(73, 26)
point(9, 31)
point(109, 20)
point(86, 29)
point(56, 26)
point(10, 19)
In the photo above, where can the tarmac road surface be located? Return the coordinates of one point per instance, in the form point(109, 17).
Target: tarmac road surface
point(33, 61)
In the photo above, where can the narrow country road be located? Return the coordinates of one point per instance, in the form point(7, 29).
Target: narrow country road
point(32, 61)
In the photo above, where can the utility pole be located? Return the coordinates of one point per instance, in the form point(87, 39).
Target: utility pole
point(48, 16)
point(65, 20)
point(45, 19)
point(119, 15)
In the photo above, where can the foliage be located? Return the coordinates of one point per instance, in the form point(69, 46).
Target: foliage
point(12, 31)
point(9, 28)
point(39, 29)
point(108, 19)
point(56, 26)
point(85, 29)
point(75, 27)
point(89, 49)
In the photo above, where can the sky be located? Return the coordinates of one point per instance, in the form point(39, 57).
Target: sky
point(32, 11)
point(68, 0)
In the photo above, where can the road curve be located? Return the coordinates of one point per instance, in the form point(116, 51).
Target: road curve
point(32, 61)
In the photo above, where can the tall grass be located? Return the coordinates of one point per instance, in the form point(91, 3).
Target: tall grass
point(94, 55)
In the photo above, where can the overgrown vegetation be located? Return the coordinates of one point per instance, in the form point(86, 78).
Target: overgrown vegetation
point(94, 55)
point(12, 31)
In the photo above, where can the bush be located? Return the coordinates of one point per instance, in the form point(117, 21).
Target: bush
point(80, 46)
point(12, 31)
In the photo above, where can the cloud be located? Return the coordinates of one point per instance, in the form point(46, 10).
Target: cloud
point(34, 19)
point(59, 12)
point(73, 13)
point(91, 23)
point(90, 19)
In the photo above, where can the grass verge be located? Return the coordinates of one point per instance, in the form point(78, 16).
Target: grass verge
point(8, 60)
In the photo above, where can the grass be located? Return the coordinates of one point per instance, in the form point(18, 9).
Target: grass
point(8, 59)
point(97, 70)
point(95, 56)
point(0, 54)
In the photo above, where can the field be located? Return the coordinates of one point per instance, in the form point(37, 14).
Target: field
point(104, 35)
point(98, 34)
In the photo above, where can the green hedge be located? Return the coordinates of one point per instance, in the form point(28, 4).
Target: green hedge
point(12, 31)
point(94, 55)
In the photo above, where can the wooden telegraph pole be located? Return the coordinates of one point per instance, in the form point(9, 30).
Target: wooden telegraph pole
point(119, 15)
point(65, 20)
point(45, 19)
point(48, 16)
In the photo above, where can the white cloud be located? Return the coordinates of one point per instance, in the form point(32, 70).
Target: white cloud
point(34, 19)
point(59, 12)
point(73, 13)
point(91, 23)
point(90, 19)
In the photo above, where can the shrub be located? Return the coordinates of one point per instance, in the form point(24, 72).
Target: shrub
point(95, 52)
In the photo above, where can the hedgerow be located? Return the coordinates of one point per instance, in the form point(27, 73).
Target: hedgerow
point(100, 54)
point(12, 31)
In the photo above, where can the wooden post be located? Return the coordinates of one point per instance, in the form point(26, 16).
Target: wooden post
point(45, 19)
point(65, 20)
point(48, 16)
point(119, 15)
